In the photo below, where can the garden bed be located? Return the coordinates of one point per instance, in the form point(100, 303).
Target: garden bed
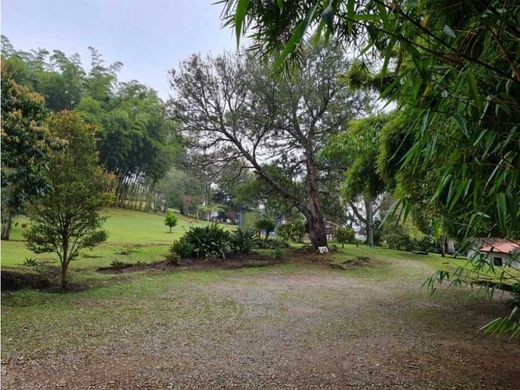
point(231, 262)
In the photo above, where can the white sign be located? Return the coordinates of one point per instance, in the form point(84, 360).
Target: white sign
point(323, 249)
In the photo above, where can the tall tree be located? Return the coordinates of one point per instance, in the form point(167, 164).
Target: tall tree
point(231, 107)
point(356, 151)
point(65, 218)
point(25, 147)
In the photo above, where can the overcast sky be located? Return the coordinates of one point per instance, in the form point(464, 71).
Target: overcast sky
point(148, 36)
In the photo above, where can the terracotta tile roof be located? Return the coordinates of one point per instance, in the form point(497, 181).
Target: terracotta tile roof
point(498, 245)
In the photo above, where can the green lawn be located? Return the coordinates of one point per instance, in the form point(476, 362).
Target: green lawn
point(143, 233)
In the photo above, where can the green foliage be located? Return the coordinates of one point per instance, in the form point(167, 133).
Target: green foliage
point(344, 235)
point(243, 241)
point(116, 263)
point(204, 242)
point(180, 249)
point(26, 144)
point(291, 231)
point(505, 325)
point(272, 244)
point(170, 219)
point(357, 150)
point(267, 225)
point(65, 218)
point(136, 139)
point(30, 262)
point(453, 72)
point(182, 190)
point(398, 237)
point(277, 254)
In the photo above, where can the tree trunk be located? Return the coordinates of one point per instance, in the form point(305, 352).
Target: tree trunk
point(6, 226)
point(442, 241)
point(370, 222)
point(64, 267)
point(312, 212)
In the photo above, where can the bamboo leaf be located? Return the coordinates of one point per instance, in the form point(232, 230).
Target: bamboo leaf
point(328, 16)
point(296, 38)
point(461, 123)
point(502, 212)
point(240, 16)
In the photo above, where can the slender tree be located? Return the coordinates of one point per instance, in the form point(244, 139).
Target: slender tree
point(65, 218)
point(356, 151)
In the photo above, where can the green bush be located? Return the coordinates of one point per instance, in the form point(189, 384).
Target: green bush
point(30, 262)
point(117, 263)
point(180, 249)
point(243, 241)
point(271, 244)
point(266, 224)
point(291, 231)
point(170, 219)
point(277, 254)
point(203, 242)
point(344, 235)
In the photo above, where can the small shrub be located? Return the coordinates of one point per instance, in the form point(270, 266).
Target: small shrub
point(126, 250)
point(173, 258)
point(271, 244)
point(344, 235)
point(116, 263)
point(181, 249)
point(30, 262)
point(243, 241)
point(265, 224)
point(277, 254)
point(292, 231)
point(170, 219)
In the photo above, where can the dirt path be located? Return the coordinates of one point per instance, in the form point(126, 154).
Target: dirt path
point(304, 328)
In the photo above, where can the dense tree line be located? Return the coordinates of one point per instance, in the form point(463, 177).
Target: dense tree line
point(136, 141)
point(135, 138)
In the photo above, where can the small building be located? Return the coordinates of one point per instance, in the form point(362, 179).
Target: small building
point(501, 251)
point(329, 229)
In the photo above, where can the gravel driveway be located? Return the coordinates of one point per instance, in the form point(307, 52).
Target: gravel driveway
point(298, 327)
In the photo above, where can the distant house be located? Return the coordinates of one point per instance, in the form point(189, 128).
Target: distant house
point(499, 250)
point(329, 229)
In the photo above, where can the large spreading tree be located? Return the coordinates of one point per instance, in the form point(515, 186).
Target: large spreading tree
point(233, 108)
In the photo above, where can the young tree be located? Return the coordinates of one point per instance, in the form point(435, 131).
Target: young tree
point(65, 218)
point(344, 235)
point(170, 219)
point(232, 108)
point(25, 147)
